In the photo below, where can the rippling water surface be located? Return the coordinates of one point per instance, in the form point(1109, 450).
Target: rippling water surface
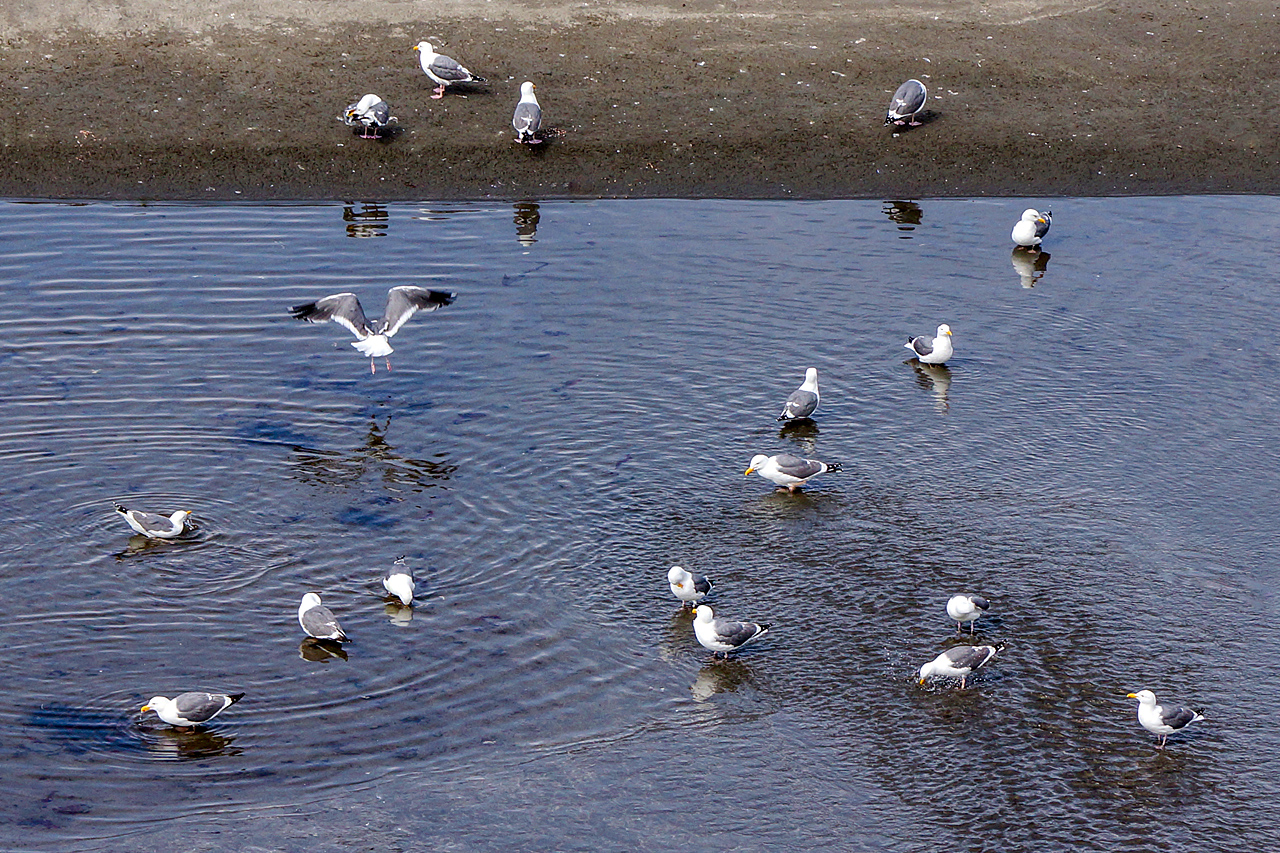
point(1098, 460)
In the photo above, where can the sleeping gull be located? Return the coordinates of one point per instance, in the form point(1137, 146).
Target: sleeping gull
point(959, 661)
point(935, 350)
point(155, 526)
point(528, 117)
point(190, 709)
point(369, 113)
point(724, 635)
point(804, 400)
point(445, 70)
point(1161, 721)
point(318, 621)
point(1031, 228)
point(687, 586)
point(966, 608)
point(344, 309)
point(787, 470)
point(398, 581)
point(906, 102)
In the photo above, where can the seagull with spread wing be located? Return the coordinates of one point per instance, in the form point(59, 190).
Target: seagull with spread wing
point(344, 309)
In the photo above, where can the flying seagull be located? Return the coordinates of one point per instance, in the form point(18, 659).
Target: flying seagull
point(398, 581)
point(935, 350)
point(190, 709)
point(344, 309)
point(318, 621)
point(1031, 228)
point(528, 117)
point(787, 470)
point(966, 608)
point(155, 526)
point(687, 586)
point(445, 70)
point(959, 661)
point(804, 400)
point(722, 636)
point(369, 113)
point(1161, 721)
point(906, 102)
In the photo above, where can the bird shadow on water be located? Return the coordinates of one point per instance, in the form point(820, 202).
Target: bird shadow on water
point(803, 432)
point(170, 744)
point(375, 455)
point(1029, 264)
point(934, 378)
point(314, 650)
point(721, 676)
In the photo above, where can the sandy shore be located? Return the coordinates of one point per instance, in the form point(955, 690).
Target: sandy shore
point(173, 100)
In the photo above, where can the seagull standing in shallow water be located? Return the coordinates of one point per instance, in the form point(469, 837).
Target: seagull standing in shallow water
point(1161, 721)
point(318, 621)
point(966, 608)
point(906, 102)
point(935, 350)
point(190, 709)
point(687, 586)
point(803, 401)
point(398, 581)
point(155, 526)
point(344, 309)
point(371, 113)
point(788, 471)
point(445, 70)
point(722, 636)
point(1031, 228)
point(528, 116)
point(959, 661)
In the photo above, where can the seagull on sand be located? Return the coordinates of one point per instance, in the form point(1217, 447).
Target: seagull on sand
point(966, 608)
point(959, 661)
point(935, 350)
point(344, 309)
point(1160, 720)
point(804, 400)
point(190, 709)
point(318, 621)
point(370, 113)
point(155, 526)
point(789, 471)
point(1031, 228)
point(398, 581)
point(722, 636)
point(528, 116)
point(687, 586)
point(906, 102)
point(445, 70)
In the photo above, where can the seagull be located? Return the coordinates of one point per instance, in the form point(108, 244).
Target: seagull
point(804, 400)
point(787, 470)
point(724, 635)
point(528, 118)
point(445, 70)
point(934, 350)
point(344, 309)
point(1157, 720)
point(687, 586)
point(318, 621)
point(371, 113)
point(155, 526)
point(1031, 228)
point(190, 709)
point(906, 102)
point(399, 582)
point(966, 608)
point(959, 661)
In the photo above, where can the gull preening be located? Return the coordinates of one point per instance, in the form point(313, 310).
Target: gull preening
point(935, 350)
point(966, 608)
point(368, 113)
point(687, 586)
point(722, 636)
point(905, 103)
point(528, 116)
point(1031, 228)
point(398, 581)
point(445, 70)
point(155, 526)
point(190, 709)
point(318, 621)
point(790, 472)
point(959, 661)
point(344, 309)
point(804, 400)
point(1160, 720)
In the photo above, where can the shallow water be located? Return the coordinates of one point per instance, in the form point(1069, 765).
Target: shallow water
point(1098, 459)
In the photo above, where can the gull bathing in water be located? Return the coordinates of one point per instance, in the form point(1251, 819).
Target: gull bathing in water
point(722, 636)
point(155, 526)
point(445, 70)
point(318, 621)
point(789, 471)
point(687, 586)
point(344, 309)
point(959, 661)
point(935, 350)
point(528, 117)
point(804, 400)
point(398, 581)
point(370, 113)
point(1031, 228)
point(966, 608)
point(190, 709)
point(1160, 720)
point(906, 102)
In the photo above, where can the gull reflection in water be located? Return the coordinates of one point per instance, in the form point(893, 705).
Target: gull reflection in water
point(907, 214)
point(803, 433)
point(369, 221)
point(526, 220)
point(721, 676)
point(177, 745)
point(1029, 264)
point(935, 378)
point(316, 651)
point(398, 614)
point(397, 472)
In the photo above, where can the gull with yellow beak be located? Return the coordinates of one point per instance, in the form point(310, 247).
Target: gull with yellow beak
point(1031, 228)
point(190, 709)
point(935, 350)
point(155, 526)
point(788, 471)
point(1160, 720)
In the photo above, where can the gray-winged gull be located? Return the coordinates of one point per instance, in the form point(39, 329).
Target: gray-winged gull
point(724, 635)
point(344, 309)
point(1031, 228)
point(959, 661)
point(1160, 720)
point(398, 581)
point(966, 608)
point(190, 709)
point(688, 586)
point(935, 350)
point(528, 116)
point(368, 113)
point(156, 526)
point(906, 102)
point(804, 400)
point(318, 621)
point(789, 471)
point(445, 70)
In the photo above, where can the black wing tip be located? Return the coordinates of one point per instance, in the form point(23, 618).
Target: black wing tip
point(834, 466)
point(476, 78)
point(302, 312)
point(235, 697)
point(119, 507)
